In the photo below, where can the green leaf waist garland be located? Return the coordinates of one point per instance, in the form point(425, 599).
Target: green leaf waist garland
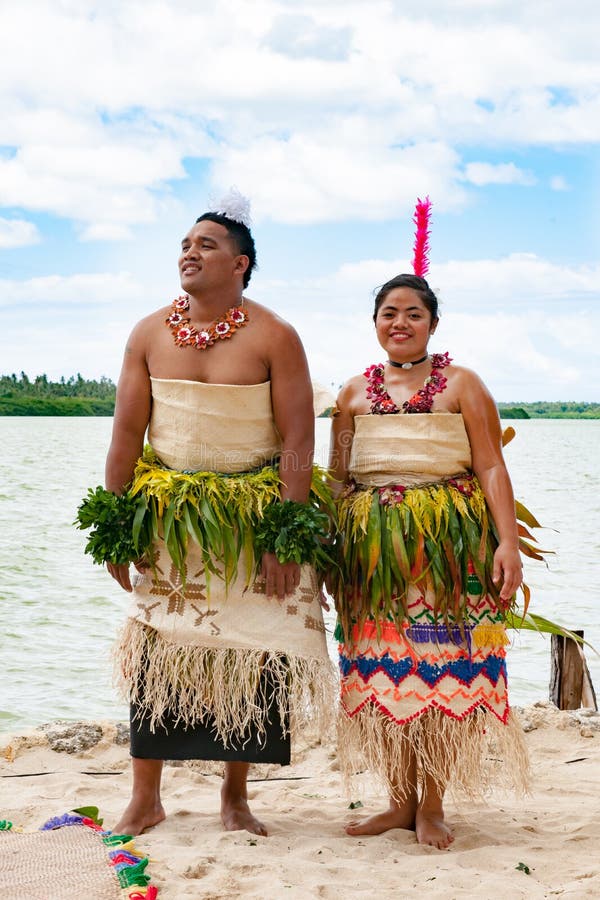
point(224, 514)
point(438, 537)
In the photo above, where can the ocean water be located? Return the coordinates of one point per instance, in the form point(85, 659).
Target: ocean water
point(59, 613)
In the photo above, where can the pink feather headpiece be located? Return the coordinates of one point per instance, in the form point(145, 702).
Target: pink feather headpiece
point(421, 247)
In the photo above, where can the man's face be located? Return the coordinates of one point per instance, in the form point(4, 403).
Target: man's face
point(208, 258)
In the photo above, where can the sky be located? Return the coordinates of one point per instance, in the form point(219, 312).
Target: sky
point(119, 121)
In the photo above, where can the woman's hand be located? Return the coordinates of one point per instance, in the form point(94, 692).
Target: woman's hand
point(508, 569)
point(323, 600)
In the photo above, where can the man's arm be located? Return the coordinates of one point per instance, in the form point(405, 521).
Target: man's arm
point(292, 399)
point(132, 413)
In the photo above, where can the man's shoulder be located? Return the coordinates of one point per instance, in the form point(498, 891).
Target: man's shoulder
point(268, 319)
point(265, 313)
point(150, 321)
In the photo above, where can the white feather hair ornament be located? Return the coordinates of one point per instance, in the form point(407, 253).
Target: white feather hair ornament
point(233, 205)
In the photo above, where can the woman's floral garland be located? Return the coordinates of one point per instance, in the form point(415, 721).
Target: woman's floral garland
point(186, 335)
point(420, 402)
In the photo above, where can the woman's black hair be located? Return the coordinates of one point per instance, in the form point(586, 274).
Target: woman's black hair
point(416, 284)
point(240, 235)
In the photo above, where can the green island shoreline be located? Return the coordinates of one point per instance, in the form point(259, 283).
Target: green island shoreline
point(77, 396)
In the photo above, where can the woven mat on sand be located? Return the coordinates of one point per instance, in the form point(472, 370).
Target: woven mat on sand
point(68, 859)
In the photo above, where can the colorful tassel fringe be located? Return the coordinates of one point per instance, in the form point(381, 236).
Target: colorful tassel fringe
point(129, 866)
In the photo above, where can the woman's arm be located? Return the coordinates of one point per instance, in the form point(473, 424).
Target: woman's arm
point(485, 436)
point(342, 435)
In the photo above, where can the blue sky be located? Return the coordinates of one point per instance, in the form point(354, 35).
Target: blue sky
point(119, 120)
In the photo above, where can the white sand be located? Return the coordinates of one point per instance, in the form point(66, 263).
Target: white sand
point(555, 832)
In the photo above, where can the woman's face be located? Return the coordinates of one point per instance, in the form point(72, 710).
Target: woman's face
point(404, 324)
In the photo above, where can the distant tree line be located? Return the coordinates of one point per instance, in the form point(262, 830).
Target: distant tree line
point(538, 410)
point(74, 396)
point(513, 412)
point(78, 396)
point(543, 409)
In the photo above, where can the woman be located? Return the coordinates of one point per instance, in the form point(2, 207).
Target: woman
point(429, 567)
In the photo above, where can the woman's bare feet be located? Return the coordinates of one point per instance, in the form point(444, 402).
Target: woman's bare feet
point(432, 829)
point(138, 817)
point(397, 816)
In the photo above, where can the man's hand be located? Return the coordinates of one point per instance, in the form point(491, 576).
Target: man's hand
point(280, 578)
point(121, 575)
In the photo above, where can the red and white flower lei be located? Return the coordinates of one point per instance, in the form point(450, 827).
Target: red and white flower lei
point(186, 335)
point(420, 402)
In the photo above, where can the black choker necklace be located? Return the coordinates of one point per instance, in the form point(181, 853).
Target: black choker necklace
point(409, 365)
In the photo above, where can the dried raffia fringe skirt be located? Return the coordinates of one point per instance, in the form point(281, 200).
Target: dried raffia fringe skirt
point(172, 739)
point(447, 703)
point(470, 756)
point(223, 674)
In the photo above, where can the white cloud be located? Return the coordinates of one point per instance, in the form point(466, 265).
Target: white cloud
point(526, 325)
point(18, 233)
point(342, 97)
point(300, 36)
point(305, 180)
point(559, 183)
point(106, 231)
point(57, 350)
point(515, 320)
point(81, 289)
point(106, 185)
point(481, 173)
point(577, 333)
point(521, 281)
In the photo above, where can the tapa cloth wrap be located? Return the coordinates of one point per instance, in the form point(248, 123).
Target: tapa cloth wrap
point(422, 634)
point(200, 650)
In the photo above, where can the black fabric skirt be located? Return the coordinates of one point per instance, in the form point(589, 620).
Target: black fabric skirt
point(200, 741)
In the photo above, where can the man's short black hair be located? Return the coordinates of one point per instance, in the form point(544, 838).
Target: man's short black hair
point(240, 235)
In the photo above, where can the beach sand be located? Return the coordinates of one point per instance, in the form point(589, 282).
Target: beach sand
point(554, 833)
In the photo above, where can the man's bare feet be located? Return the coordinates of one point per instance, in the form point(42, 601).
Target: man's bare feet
point(235, 812)
point(432, 830)
point(397, 816)
point(236, 816)
point(138, 817)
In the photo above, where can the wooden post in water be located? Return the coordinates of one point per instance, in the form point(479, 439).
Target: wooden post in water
point(570, 683)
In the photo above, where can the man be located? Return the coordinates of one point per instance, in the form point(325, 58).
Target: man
point(223, 385)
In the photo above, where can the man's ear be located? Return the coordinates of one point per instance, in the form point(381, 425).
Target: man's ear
point(241, 263)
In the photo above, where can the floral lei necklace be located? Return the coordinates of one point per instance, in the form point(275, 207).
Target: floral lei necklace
point(420, 402)
point(186, 335)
